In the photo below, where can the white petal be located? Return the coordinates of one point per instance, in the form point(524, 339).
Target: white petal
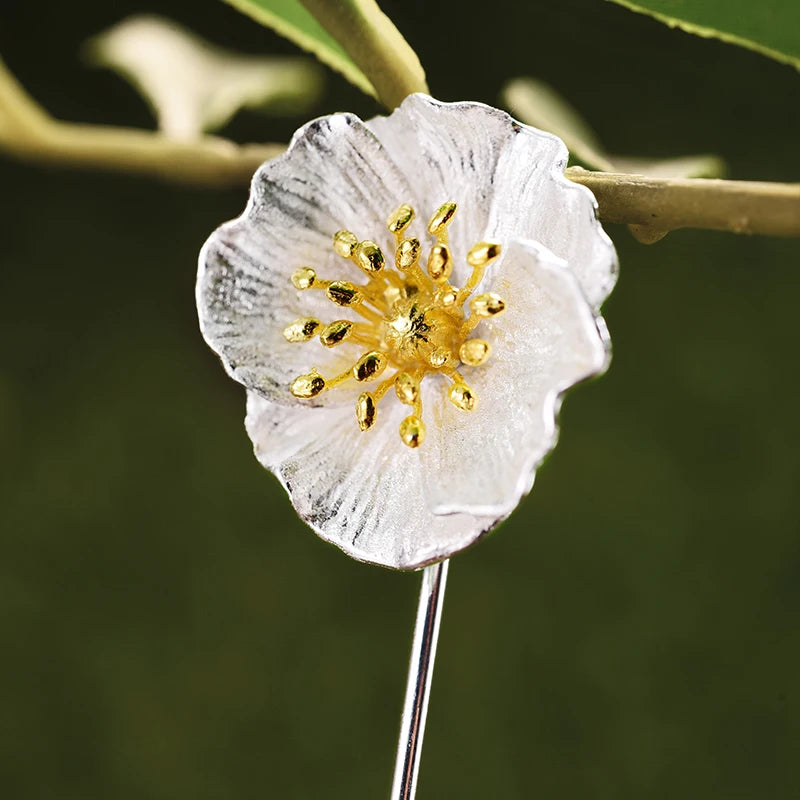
point(334, 175)
point(535, 201)
point(360, 491)
point(508, 179)
point(448, 151)
point(484, 462)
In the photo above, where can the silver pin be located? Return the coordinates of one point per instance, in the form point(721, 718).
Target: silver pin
point(418, 689)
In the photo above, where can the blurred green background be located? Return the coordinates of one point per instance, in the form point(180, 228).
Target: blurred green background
point(170, 630)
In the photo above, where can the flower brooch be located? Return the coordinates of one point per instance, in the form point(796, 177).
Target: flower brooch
point(405, 300)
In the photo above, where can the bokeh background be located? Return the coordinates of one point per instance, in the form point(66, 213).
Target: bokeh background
point(170, 630)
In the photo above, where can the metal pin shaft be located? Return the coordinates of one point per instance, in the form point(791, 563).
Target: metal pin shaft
point(420, 672)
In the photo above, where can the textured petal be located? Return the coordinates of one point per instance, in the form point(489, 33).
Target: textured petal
point(508, 179)
point(360, 491)
point(366, 492)
point(450, 151)
point(535, 201)
point(334, 175)
point(483, 462)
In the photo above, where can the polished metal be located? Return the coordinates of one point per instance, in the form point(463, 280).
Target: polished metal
point(420, 672)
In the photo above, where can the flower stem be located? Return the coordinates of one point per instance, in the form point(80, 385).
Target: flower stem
point(420, 672)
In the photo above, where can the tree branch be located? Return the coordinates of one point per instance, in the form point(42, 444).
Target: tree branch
point(27, 132)
point(653, 207)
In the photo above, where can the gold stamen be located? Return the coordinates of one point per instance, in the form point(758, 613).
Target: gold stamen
point(301, 330)
point(368, 256)
point(337, 332)
point(306, 386)
point(461, 396)
point(483, 253)
point(400, 219)
point(369, 366)
point(303, 278)
point(383, 387)
point(439, 357)
point(440, 263)
point(487, 305)
point(391, 294)
point(441, 219)
point(475, 352)
point(407, 254)
point(411, 318)
point(344, 242)
point(412, 431)
point(446, 297)
point(366, 411)
point(479, 257)
point(406, 388)
point(343, 293)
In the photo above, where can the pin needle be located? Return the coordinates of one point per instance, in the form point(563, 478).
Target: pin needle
point(420, 672)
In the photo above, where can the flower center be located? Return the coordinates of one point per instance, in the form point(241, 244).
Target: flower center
point(413, 320)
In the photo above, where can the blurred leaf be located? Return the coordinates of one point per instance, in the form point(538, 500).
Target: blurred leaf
point(193, 86)
point(702, 166)
point(535, 103)
point(290, 19)
point(770, 27)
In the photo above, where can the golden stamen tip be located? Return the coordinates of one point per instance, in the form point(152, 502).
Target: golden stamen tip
point(483, 253)
point(343, 293)
point(475, 352)
point(406, 388)
point(487, 305)
point(301, 330)
point(366, 411)
point(336, 332)
point(461, 396)
point(412, 431)
point(446, 297)
point(407, 254)
point(400, 219)
point(440, 263)
point(369, 366)
point(368, 256)
point(439, 357)
point(344, 242)
point(303, 278)
point(306, 386)
point(441, 219)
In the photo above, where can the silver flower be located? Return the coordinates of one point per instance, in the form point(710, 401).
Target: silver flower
point(403, 379)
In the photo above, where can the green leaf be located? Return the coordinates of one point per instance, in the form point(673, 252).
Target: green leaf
point(290, 19)
point(770, 27)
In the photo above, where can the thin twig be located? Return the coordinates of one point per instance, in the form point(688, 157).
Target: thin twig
point(209, 161)
point(653, 207)
point(378, 49)
point(28, 132)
